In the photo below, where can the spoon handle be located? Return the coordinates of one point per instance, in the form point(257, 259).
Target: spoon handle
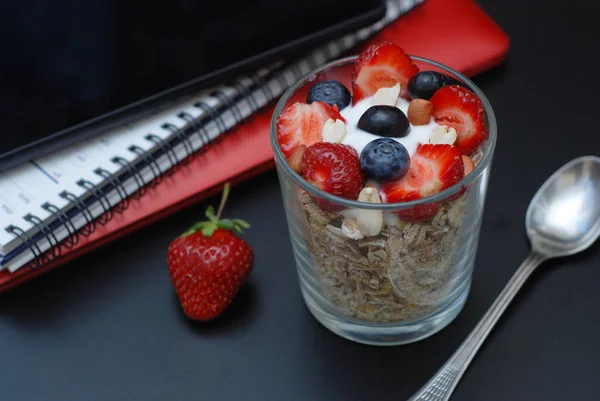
point(443, 383)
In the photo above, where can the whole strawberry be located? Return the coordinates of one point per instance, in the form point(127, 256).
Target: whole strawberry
point(209, 263)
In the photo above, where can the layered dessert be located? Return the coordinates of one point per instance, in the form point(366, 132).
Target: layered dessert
point(398, 135)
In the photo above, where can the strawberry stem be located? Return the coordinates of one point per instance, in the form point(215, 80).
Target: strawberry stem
point(214, 221)
point(223, 199)
point(210, 214)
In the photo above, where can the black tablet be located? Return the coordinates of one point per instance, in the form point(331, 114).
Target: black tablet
point(72, 69)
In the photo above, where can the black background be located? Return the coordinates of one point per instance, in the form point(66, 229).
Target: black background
point(108, 326)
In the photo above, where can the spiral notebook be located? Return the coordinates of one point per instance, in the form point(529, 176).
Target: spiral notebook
point(58, 198)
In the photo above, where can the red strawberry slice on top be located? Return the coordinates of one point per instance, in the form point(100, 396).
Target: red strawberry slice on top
point(302, 124)
point(381, 65)
point(333, 168)
point(433, 168)
point(459, 108)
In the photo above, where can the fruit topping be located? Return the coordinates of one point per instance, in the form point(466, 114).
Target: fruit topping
point(333, 168)
point(330, 92)
point(424, 84)
point(350, 228)
point(386, 96)
point(381, 65)
point(334, 131)
point(370, 222)
point(419, 112)
point(433, 168)
point(384, 159)
point(303, 124)
point(388, 121)
point(469, 165)
point(419, 213)
point(443, 135)
point(459, 108)
point(295, 159)
point(209, 263)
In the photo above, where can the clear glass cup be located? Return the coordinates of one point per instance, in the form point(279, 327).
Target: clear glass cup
point(412, 279)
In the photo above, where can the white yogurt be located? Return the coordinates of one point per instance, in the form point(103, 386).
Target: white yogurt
point(358, 138)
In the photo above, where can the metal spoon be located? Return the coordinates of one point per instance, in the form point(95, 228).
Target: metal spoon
point(563, 218)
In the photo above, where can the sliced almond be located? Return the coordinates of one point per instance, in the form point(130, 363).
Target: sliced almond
point(350, 229)
point(386, 96)
point(349, 213)
point(295, 159)
point(369, 194)
point(370, 222)
point(419, 112)
point(334, 131)
point(442, 134)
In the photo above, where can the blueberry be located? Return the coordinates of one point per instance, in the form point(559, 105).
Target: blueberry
point(384, 159)
point(425, 83)
point(387, 121)
point(330, 92)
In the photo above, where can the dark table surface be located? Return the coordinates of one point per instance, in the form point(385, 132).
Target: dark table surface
point(108, 326)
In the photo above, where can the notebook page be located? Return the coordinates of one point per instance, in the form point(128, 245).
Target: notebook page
point(24, 189)
point(80, 158)
point(27, 187)
point(213, 130)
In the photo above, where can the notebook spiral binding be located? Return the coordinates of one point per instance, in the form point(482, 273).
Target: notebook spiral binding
point(38, 260)
point(135, 173)
point(80, 206)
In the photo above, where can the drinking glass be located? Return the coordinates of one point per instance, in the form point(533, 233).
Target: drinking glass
point(413, 278)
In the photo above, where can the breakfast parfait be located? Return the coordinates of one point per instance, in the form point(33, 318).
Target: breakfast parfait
point(396, 135)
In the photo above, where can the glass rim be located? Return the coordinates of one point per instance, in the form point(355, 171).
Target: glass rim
point(282, 163)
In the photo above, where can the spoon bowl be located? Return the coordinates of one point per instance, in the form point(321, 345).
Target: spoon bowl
point(563, 217)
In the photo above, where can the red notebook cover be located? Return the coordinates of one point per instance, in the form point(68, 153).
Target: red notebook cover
point(457, 33)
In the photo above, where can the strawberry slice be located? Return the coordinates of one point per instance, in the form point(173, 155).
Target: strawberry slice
point(419, 213)
point(381, 65)
point(433, 168)
point(469, 167)
point(302, 124)
point(333, 168)
point(461, 109)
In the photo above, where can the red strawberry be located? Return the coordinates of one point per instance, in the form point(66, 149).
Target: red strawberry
point(303, 124)
point(433, 168)
point(381, 65)
point(458, 107)
point(419, 213)
point(469, 166)
point(208, 264)
point(333, 168)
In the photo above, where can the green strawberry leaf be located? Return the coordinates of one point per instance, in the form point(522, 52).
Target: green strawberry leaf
point(226, 223)
point(209, 230)
point(241, 223)
point(210, 213)
point(200, 225)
